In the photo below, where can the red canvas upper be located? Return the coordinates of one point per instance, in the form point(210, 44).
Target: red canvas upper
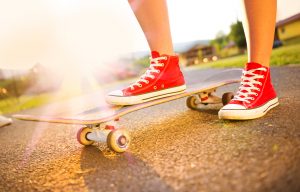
point(169, 76)
point(266, 92)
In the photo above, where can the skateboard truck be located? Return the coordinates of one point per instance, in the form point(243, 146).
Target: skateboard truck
point(117, 139)
point(207, 97)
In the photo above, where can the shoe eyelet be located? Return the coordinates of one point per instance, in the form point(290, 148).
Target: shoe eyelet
point(154, 87)
point(158, 71)
point(165, 58)
point(140, 85)
point(147, 81)
point(252, 98)
point(256, 94)
point(258, 89)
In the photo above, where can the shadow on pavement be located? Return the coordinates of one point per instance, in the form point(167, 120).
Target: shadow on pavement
point(107, 171)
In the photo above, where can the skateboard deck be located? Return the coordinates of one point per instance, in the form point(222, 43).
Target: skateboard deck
point(96, 111)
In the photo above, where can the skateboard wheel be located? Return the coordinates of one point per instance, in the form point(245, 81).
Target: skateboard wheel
point(118, 140)
point(191, 102)
point(82, 136)
point(226, 98)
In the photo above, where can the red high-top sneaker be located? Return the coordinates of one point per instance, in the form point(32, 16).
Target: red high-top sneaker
point(162, 79)
point(256, 95)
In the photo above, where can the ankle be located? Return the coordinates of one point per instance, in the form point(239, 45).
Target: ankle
point(165, 52)
point(263, 62)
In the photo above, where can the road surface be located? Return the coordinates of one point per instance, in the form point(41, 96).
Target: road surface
point(173, 149)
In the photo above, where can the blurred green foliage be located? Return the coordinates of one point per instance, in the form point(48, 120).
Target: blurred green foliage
point(280, 56)
point(237, 35)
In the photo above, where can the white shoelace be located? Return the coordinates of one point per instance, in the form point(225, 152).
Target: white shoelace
point(154, 63)
point(249, 80)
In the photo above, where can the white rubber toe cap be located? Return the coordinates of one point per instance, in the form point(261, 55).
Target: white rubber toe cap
point(118, 98)
point(239, 112)
point(118, 93)
point(233, 106)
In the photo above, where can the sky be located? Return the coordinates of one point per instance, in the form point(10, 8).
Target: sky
point(66, 33)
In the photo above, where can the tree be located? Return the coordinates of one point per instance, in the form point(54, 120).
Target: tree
point(237, 35)
point(220, 41)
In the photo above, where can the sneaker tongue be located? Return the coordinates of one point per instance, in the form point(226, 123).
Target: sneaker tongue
point(252, 65)
point(154, 54)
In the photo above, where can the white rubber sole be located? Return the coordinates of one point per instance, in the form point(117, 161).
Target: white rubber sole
point(246, 114)
point(132, 100)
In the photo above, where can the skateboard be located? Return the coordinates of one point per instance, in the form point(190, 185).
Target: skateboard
point(99, 121)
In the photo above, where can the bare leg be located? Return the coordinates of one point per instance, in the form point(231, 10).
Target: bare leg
point(163, 78)
point(152, 16)
point(259, 26)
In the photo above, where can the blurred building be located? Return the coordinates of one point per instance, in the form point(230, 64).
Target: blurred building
point(231, 49)
point(288, 28)
point(190, 53)
point(187, 51)
point(199, 53)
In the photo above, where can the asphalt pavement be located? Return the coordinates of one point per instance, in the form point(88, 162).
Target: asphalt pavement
point(173, 149)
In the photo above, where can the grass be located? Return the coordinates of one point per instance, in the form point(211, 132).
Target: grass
point(13, 104)
point(289, 54)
